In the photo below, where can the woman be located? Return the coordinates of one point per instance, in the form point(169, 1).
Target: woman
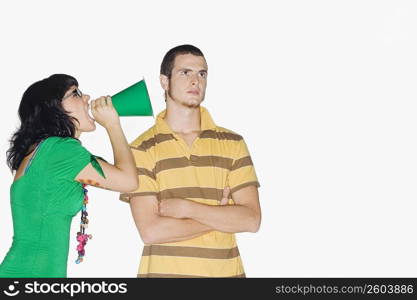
point(51, 169)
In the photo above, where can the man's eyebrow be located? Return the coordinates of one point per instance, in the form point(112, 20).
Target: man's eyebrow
point(187, 69)
point(184, 69)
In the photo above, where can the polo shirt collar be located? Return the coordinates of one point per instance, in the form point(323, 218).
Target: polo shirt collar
point(207, 122)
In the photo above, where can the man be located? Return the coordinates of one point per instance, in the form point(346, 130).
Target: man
point(187, 166)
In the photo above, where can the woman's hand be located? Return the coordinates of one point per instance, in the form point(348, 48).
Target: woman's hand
point(104, 112)
point(122, 176)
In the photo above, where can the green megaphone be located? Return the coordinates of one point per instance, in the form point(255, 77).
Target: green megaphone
point(133, 101)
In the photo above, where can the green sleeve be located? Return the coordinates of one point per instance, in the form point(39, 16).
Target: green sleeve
point(69, 157)
point(96, 165)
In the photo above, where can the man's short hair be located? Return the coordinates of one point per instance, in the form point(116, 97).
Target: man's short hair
point(168, 62)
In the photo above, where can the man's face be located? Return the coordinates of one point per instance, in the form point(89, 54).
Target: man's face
point(187, 85)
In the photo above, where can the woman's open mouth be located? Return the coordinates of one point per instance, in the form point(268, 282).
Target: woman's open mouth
point(90, 117)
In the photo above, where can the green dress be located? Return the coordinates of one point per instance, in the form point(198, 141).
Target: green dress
point(44, 200)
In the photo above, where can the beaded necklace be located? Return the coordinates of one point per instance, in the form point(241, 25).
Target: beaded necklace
point(82, 237)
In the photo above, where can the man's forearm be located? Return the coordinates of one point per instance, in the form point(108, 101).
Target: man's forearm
point(226, 218)
point(168, 230)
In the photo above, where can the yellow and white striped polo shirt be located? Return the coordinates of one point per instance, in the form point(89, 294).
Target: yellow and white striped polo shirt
point(169, 168)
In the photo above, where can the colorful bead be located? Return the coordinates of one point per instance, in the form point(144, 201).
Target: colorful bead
point(82, 238)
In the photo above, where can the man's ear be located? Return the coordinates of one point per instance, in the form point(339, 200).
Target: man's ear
point(164, 80)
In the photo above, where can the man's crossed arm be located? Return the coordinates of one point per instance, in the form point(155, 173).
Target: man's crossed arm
point(174, 220)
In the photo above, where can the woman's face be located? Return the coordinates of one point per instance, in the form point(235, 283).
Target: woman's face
point(76, 104)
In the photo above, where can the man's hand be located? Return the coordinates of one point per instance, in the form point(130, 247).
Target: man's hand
point(226, 195)
point(173, 207)
point(178, 208)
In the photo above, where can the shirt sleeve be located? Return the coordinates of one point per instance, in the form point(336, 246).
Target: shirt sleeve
point(242, 173)
point(145, 165)
point(68, 158)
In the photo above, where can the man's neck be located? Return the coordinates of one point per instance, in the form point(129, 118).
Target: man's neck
point(183, 119)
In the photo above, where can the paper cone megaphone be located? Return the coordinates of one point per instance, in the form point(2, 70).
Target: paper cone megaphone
point(133, 101)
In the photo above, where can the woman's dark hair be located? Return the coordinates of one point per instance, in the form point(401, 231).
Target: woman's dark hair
point(168, 61)
point(41, 116)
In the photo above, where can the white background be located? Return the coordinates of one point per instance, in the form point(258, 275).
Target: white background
point(324, 93)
